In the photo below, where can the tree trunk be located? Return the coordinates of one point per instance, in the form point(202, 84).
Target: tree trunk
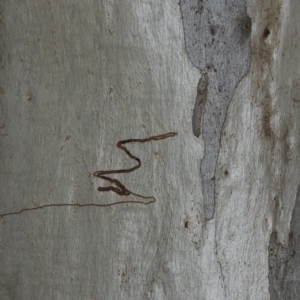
point(207, 213)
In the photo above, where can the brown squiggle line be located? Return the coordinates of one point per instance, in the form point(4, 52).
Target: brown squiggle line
point(119, 188)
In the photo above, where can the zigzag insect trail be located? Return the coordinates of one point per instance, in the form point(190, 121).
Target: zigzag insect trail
point(118, 187)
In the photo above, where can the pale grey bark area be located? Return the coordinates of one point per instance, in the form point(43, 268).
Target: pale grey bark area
point(217, 40)
point(78, 76)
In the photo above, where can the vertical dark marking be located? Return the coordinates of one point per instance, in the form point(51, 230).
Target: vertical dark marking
point(199, 104)
point(217, 41)
point(284, 262)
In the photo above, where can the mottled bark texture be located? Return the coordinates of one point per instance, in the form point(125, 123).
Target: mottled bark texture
point(78, 76)
point(284, 262)
point(217, 40)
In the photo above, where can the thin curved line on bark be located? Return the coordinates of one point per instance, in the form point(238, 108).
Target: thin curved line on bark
point(117, 186)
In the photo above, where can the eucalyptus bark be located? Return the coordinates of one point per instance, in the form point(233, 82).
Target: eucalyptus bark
point(77, 77)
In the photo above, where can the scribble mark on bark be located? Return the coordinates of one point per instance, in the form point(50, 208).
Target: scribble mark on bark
point(116, 187)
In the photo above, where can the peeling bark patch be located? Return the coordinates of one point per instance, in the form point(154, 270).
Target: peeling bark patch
point(284, 263)
point(217, 41)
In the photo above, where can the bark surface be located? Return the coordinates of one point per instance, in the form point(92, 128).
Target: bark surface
point(77, 77)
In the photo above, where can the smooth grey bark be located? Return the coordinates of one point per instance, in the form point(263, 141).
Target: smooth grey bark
point(77, 77)
point(217, 40)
